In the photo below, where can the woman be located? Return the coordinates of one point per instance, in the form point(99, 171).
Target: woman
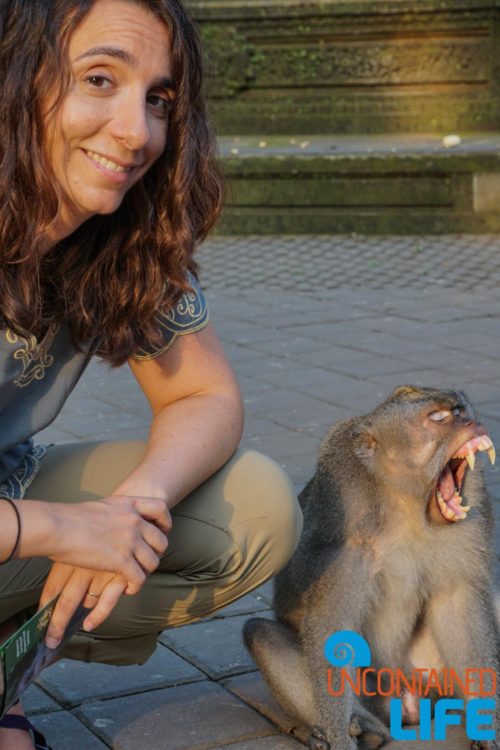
point(109, 183)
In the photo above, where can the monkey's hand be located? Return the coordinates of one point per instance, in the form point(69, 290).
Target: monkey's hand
point(317, 740)
point(369, 731)
point(485, 745)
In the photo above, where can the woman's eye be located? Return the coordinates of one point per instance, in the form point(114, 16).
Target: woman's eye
point(98, 82)
point(438, 416)
point(160, 103)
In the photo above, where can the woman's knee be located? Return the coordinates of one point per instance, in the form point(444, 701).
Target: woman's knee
point(269, 521)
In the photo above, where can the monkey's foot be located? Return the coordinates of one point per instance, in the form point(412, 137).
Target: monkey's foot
point(484, 745)
point(369, 731)
point(317, 740)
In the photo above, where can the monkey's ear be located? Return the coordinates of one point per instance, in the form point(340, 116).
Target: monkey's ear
point(405, 390)
point(365, 443)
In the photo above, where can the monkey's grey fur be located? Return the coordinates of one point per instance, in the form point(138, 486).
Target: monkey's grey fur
point(378, 557)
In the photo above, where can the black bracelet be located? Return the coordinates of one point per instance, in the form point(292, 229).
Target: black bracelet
point(18, 537)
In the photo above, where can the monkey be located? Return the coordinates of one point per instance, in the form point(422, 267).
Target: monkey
point(396, 546)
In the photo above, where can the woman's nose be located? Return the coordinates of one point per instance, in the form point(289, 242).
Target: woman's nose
point(130, 123)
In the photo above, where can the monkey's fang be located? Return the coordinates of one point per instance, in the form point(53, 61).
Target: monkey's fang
point(480, 443)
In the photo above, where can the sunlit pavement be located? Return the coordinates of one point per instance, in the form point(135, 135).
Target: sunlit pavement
point(318, 329)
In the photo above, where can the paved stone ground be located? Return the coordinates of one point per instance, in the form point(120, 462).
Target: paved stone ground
point(318, 329)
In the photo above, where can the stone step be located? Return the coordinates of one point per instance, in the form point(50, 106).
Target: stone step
point(392, 184)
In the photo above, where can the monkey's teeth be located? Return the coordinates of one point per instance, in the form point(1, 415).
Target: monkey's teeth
point(471, 459)
point(492, 455)
point(447, 512)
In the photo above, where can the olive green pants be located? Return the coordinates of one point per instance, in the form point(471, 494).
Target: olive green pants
point(230, 535)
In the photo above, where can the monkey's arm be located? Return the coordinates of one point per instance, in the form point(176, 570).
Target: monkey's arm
point(337, 601)
point(463, 624)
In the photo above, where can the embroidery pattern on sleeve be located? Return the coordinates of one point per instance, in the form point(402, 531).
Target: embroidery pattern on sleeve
point(190, 314)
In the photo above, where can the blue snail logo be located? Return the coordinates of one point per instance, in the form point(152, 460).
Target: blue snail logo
point(345, 648)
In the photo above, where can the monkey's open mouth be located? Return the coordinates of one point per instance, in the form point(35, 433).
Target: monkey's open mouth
point(451, 478)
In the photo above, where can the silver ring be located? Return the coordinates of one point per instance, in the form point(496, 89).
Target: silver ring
point(89, 593)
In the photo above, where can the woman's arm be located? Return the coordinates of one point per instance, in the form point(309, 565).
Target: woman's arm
point(197, 417)
point(197, 423)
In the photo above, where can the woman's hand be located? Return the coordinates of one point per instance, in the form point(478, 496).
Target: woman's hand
point(106, 547)
point(120, 534)
point(73, 585)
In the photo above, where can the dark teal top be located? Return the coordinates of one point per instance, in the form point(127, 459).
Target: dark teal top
point(36, 378)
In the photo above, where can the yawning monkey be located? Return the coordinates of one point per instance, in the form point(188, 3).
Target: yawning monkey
point(397, 546)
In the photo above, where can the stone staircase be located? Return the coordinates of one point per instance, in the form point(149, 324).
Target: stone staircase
point(332, 114)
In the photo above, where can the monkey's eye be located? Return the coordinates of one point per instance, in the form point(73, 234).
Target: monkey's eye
point(457, 411)
point(438, 416)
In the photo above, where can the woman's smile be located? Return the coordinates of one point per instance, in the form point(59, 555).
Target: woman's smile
point(111, 169)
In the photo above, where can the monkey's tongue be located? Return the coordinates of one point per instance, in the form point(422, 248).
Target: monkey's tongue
point(448, 498)
point(446, 484)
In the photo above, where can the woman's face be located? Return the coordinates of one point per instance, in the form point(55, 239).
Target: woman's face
point(112, 124)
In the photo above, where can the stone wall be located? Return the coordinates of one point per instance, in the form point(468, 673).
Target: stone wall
point(322, 67)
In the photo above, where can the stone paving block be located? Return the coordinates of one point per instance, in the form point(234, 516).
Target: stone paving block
point(480, 393)
point(261, 365)
point(372, 342)
point(222, 307)
point(36, 701)
point(428, 314)
point(290, 410)
point(464, 366)
point(288, 443)
point(252, 689)
point(299, 468)
point(432, 378)
point(216, 647)
point(63, 731)
point(81, 404)
point(119, 422)
point(361, 365)
point(255, 426)
point(252, 387)
point(238, 332)
point(350, 393)
point(303, 316)
point(394, 325)
point(190, 717)
point(236, 353)
point(72, 682)
point(140, 433)
point(455, 740)
point(55, 434)
point(490, 410)
point(305, 377)
point(469, 324)
point(479, 343)
point(265, 592)
point(267, 743)
point(288, 346)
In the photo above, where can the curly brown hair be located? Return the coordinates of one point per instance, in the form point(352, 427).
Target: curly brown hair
point(113, 274)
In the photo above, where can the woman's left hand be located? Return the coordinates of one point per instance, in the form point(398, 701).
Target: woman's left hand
point(74, 584)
